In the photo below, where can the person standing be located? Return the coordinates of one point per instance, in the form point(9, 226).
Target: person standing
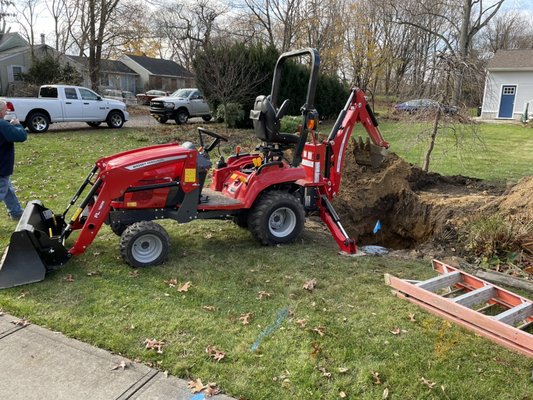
point(10, 132)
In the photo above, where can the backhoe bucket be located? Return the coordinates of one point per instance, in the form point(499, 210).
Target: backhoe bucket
point(35, 247)
point(367, 153)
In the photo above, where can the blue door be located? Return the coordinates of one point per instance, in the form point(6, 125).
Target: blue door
point(507, 101)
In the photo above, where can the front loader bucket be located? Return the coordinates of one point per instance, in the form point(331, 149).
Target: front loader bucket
point(35, 247)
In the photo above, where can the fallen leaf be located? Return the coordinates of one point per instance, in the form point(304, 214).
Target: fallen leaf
point(263, 295)
point(23, 294)
point(94, 273)
point(377, 378)
point(154, 344)
point(412, 317)
point(342, 395)
point(211, 389)
point(245, 318)
point(310, 285)
point(214, 353)
point(320, 330)
point(69, 278)
point(343, 370)
point(196, 386)
point(165, 373)
point(429, 384)
point(325, 373)
point(396, 331)
point(301, 322)
point(209, 308)
point(185, 288)
point(122, 365)
point(171, 282)
point(134, 273)
point(316, 348)
point(385, 394)
point(21, 322)
point(1, 312)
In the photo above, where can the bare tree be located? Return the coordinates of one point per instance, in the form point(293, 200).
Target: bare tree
point(28, 12)
point(509, 30)
point(459, 21)
point(187, 29)
point(5, 13)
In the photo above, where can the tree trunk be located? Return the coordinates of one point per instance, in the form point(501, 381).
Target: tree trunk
point(462, 54)
point(434, 133)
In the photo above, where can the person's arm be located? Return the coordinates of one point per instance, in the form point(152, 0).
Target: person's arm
point(12, 133)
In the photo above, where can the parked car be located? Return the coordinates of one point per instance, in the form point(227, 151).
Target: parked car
point(145, 98)
point(416, 105)
point(60, 103)
point(180, 106)
point(120, 95)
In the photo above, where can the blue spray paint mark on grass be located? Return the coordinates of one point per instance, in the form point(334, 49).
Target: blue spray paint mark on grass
point(282, 314)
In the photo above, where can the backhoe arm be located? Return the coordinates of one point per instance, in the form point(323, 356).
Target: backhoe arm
point(355, 111)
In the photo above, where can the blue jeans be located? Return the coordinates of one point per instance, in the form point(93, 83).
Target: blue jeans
point(8, 196)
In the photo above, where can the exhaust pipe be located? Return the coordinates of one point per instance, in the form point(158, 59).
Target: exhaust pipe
point(35, 248)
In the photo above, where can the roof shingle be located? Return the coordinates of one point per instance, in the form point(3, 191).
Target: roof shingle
point(158, 66)
point(105, 65)
point(512, 59)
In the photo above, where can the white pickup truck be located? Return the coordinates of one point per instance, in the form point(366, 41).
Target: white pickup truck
point(59, 103)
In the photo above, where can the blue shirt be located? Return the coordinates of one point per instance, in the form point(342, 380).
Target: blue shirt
point(8, 135)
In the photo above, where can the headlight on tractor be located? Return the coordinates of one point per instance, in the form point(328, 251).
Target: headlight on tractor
point(169, 106)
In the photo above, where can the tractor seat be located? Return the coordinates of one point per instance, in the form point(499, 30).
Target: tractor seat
point(266, 120)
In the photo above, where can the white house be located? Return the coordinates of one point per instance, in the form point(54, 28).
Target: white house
point(509, 85)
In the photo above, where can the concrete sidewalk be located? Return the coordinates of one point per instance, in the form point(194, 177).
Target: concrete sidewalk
point(39, 364)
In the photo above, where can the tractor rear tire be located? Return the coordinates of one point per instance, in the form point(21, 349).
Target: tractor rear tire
point(144, 244)
point(277, 218)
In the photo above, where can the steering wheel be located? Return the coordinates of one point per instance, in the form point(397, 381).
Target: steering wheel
point(214, 135)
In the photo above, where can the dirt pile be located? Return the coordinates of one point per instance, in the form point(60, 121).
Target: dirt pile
point(416, 207)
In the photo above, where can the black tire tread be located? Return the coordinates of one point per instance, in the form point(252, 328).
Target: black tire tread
point(137, 228)
point(258, 225)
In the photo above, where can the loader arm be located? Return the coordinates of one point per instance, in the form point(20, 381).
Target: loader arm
point(355, 111)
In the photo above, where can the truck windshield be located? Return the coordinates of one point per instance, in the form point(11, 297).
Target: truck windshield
point(182, 93)
point(50, 92)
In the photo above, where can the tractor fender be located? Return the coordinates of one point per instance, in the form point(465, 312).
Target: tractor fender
point(272, 178)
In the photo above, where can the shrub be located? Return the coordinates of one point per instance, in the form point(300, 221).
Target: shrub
point(290, 123)
point(495, 239)
point(230, 114)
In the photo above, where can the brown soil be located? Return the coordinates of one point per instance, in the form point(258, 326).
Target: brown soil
point(415, 207)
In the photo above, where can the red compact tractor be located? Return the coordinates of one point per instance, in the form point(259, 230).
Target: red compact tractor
point(263, 191)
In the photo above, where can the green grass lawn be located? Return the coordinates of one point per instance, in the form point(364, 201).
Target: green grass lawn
point(298, 344)
point(487, 151)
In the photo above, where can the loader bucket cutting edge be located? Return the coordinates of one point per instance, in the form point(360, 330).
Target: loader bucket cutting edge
point(369, 154)
point(31, 251)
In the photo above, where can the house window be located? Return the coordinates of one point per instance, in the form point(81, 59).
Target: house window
point(509, 90)
point(14, 73)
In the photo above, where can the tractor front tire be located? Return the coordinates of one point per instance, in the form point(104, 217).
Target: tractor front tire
point(144, 244)
point(277, 218)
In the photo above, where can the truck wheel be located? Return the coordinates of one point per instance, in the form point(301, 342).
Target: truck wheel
point(181, 117)
point(162, 119)
point(207, 118)
point(38, 122)
point(94, 124)
point(278, 217)
point(144, 243)
point(115, 119)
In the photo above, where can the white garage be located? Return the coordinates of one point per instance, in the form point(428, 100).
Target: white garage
point(509, 85)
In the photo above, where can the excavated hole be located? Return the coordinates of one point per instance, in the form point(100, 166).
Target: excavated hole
point(412, 206)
